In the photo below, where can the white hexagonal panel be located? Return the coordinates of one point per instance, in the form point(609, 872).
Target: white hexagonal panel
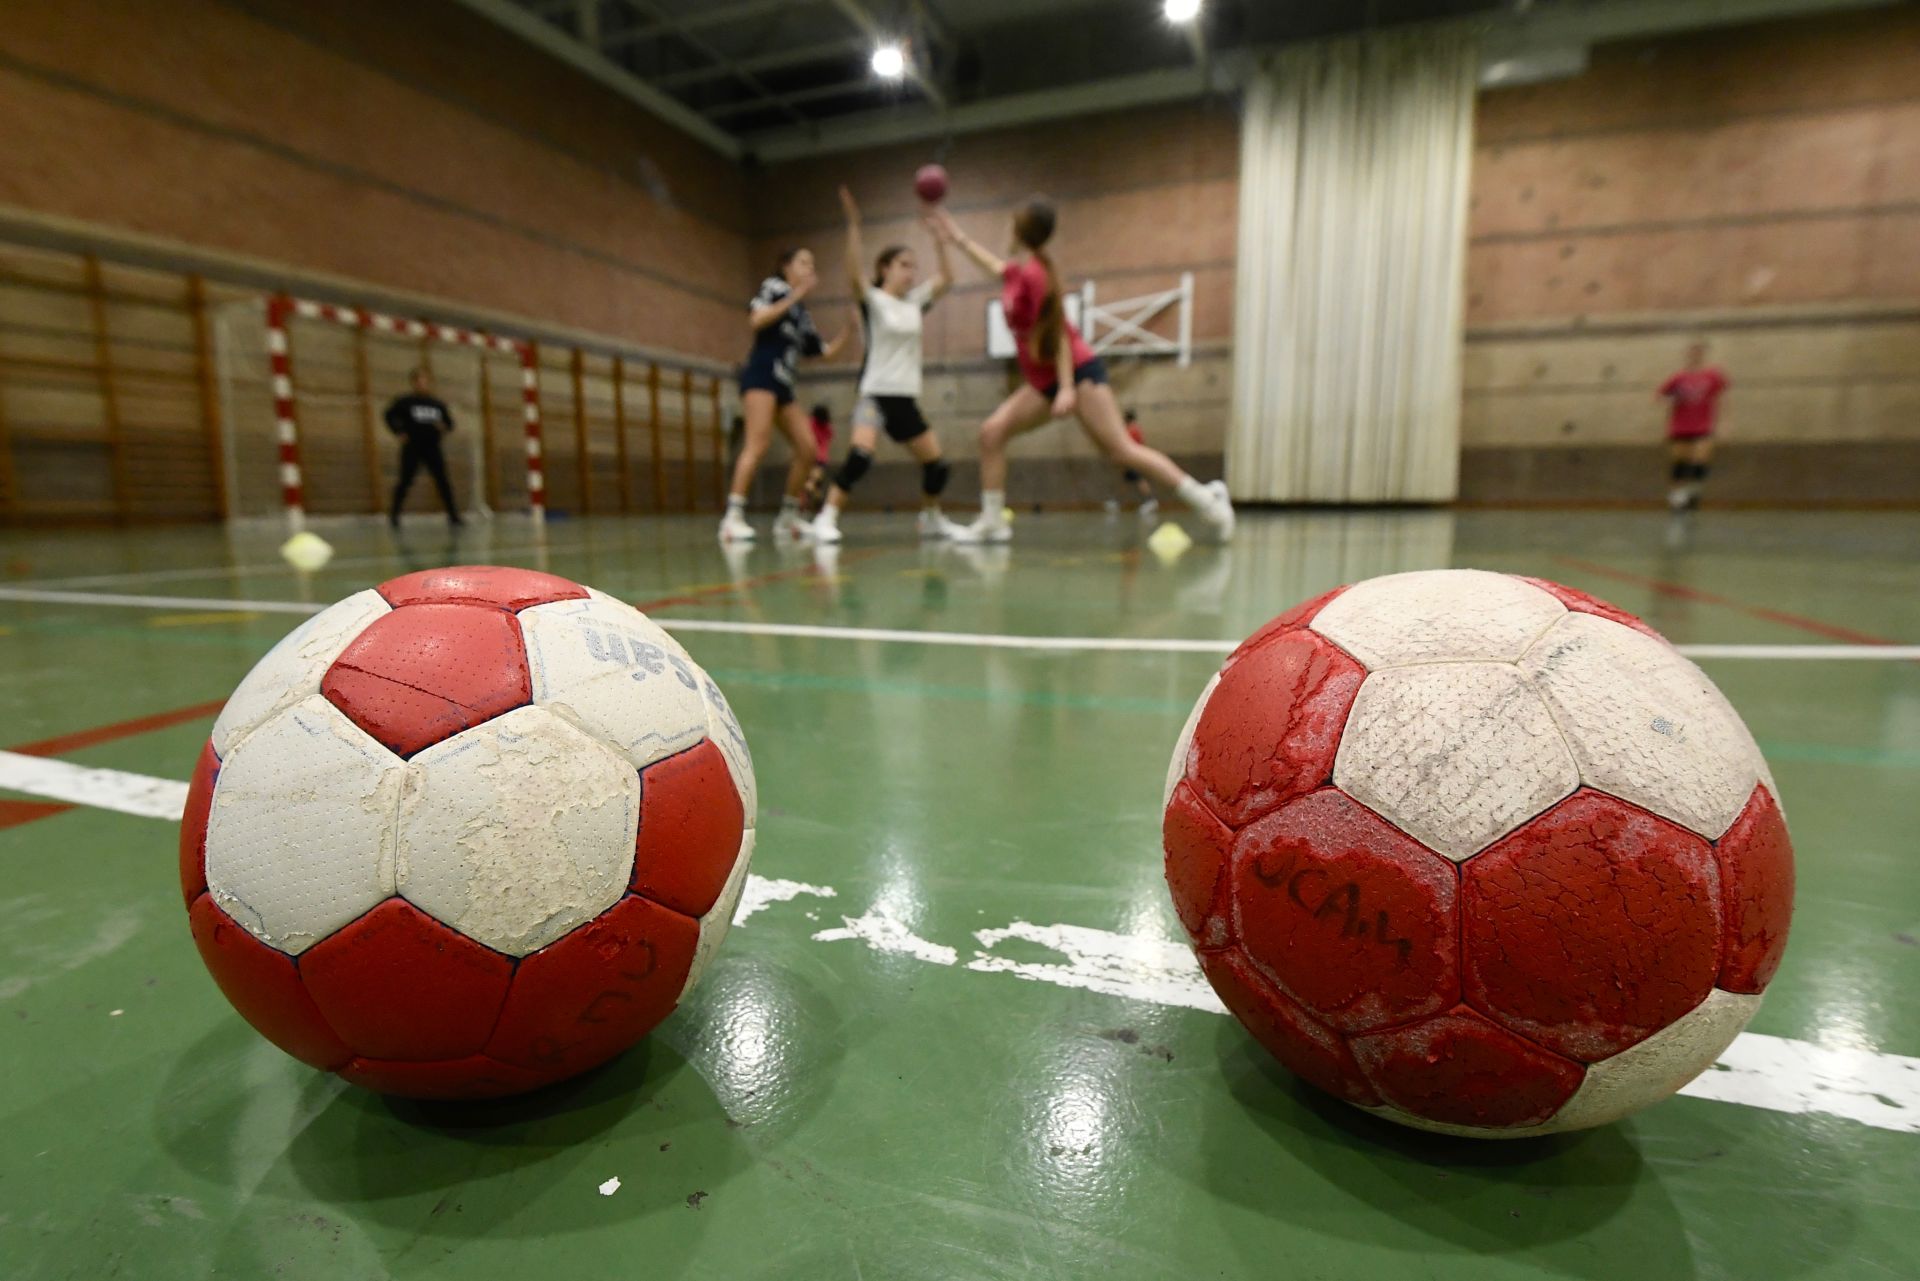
point(1641, 1075)
point(1456, 755)
point(1437, 615)
point(1645, 724)
point(1177, 767)
point(723, 727)
point(292, 670)
point(719, 917)
point(609, 669)
point(518, 830)
point(300, 837)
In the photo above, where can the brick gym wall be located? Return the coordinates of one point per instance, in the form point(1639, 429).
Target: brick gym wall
point(411, 148)
point(1759, 186)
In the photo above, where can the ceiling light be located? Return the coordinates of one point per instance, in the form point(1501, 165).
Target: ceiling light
point(1182, 11)
point(889, 61)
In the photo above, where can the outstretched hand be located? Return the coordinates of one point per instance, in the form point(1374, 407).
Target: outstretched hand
point(848, 203)
point(941, 224)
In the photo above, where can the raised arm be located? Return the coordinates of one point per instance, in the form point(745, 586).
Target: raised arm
point(943, 274)
point(856, 249)
point(947, 229)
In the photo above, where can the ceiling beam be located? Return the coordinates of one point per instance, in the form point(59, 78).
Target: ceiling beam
point(753, 82)
point(813, 93)
point(596, 65)
point(762, 62)
point(711, 16)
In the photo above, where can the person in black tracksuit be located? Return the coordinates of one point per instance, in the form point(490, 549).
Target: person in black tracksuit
point(420, 419)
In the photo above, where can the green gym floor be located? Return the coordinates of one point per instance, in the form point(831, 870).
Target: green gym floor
point(950, 1037)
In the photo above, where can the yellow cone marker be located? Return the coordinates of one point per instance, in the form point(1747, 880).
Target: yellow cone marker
point(306, 551)
point(1169, 542)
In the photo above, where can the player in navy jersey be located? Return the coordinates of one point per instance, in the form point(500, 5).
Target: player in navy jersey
point(891, 310)
point(783, 332)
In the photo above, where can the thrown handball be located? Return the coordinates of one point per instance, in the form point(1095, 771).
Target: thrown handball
point(466, 833)
point(930, 183)
point(1477, 853)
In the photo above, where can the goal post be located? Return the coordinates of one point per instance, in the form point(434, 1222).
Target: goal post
point(480, 476)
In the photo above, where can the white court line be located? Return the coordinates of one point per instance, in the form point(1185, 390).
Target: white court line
point(1775, 1073)
point(904, 636)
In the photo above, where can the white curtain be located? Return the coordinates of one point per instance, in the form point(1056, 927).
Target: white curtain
point(1354, 160)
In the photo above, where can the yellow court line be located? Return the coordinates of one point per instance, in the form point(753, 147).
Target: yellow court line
point(202, 620)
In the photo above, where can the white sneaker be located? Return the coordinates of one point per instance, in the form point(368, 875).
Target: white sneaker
point(933, 523)
point(1677, 499)
point(826, 526)
point(734, 529)
point(1219, 513)
point(1149, 509)
point(791, 526)
point(987, 529)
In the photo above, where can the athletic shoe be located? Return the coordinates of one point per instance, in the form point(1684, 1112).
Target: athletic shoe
point(735, 529)
point(1219, 512)
point(826, 526)
point(1677, 499)
point(987, 529)
point(1149, 509)
point(791, 526)
point(933, 523)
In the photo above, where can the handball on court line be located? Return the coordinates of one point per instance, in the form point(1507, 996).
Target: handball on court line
point(930, 183)
point(466, 833)
point(1477, 853)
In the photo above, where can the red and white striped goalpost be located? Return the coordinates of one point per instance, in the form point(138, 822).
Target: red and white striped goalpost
point(282, 309)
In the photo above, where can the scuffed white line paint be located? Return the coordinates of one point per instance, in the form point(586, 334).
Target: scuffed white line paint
point(764, 891)
point(107, 789)
point(884, 933)
point(1758, 1071)
point(969, 640)
point(611, 1186)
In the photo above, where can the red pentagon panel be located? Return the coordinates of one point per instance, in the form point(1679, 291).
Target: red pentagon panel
point(596, 990)
point(473, 1077)
point(1270, 731)
point(1460, 1069)
point(1581, 603)
point(691, 824)
point(499, 586)
point(425, 672)
point(264, 986)
point(397, 984)
point(1301, 615)
point(1304, 1046)
point(1756, 888)
point(1198, 846)
point(1352, 917)
point(193, 824)
point(1590, 928)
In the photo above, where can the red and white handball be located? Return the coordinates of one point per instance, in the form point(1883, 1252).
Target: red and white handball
point(467, 833)
point(1477, 853)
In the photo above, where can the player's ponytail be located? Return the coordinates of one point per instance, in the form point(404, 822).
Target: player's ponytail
point(1033, 227)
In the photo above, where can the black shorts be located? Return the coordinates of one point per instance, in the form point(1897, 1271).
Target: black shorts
point(1092, 371)
point(898, 416)
point(753, 378)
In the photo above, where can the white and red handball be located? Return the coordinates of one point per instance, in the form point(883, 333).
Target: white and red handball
point(1477, 853)
point(467, 833)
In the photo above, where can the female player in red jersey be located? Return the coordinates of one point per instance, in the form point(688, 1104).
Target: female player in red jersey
point(1694, 394)
point(783, 332)
point(1062, 377)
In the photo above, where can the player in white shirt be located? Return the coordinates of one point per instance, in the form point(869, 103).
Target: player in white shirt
point(892, 308)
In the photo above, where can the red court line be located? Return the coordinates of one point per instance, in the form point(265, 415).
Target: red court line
point(695, 595)
point(1681, 591)
point(61, 744)
point(14, 813)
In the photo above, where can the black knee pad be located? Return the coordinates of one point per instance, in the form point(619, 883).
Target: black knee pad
point(1681, 471)
point(934, 477)
point(858, 460)
point(1699, 471)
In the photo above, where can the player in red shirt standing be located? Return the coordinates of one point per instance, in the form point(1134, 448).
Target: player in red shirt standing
point(1061, 377)
point(1149, 505)
point(820, 423)
point(1694, 394)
